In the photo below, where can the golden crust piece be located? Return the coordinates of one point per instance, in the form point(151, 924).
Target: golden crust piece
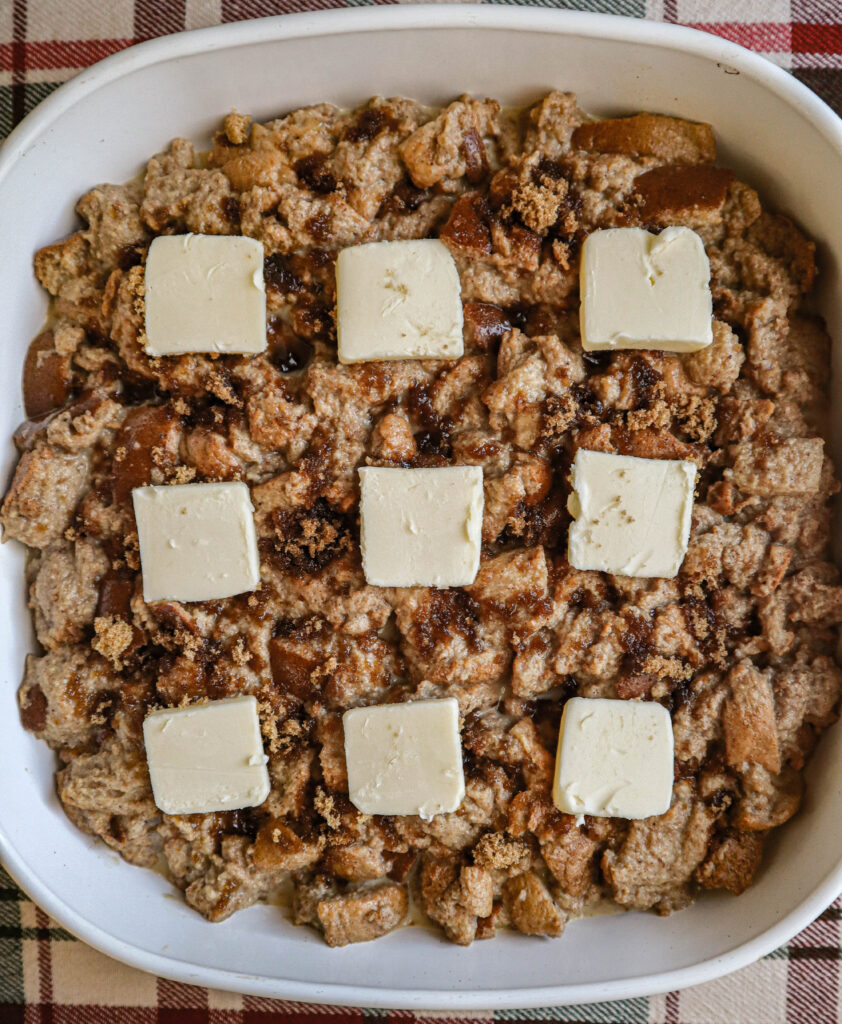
point(360, 917)
point(749, 720)
point(531, 908)
point(732, 862)
point(668, 138)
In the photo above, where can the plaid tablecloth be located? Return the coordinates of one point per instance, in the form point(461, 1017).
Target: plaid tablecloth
point(48, 977)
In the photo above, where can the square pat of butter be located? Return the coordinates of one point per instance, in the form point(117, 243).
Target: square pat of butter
point(205, 293)
point(398, 300)
point(405, 758)
point(614, 759)
point(640, 290)
point(631, 517)
point(421, 527)
point(206, 757)
point(197, 541)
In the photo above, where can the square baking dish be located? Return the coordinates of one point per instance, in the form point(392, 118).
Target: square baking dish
point(101, 127)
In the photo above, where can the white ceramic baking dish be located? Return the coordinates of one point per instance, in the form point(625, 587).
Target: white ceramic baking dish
point(101, 127)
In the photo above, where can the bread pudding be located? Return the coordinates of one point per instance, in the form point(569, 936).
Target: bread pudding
point(738, 647)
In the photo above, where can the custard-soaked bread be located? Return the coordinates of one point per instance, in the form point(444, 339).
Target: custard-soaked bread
point(740, 646)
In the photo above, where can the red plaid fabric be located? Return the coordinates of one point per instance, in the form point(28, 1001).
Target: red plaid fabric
point(45, 42)
point(48, 977)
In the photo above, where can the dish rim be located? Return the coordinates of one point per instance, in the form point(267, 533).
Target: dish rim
point(389, 18)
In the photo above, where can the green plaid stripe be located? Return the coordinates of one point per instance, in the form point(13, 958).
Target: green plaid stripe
point(11, 935)
point(33, 93)
point(54, 934)
point(630, 8)
point(781, 953)
point(626, 1011)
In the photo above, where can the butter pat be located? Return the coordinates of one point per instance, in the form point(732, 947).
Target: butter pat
point(614, 759)
point(398, 300)
point(631, 516)
point(405, 758)
point(640, 290)
point(197, 541)
point(206, 757)
point(421, 527)
point(204, 293)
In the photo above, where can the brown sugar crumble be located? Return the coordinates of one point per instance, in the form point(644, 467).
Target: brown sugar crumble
point(739, 647)
point(113, 637)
